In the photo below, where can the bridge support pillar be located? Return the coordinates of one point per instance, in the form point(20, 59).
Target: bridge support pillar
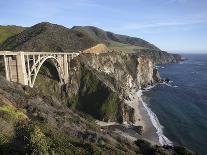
point(6, 61)
point(66, 68)
point(21, 69)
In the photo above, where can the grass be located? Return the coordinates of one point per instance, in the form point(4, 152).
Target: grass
point(8, 31)
point(9, 116)
point(9, 112)
point(124, 47)
point(35, 139)
point(110, 106)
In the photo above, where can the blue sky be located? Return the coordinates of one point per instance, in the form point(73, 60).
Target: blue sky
point(173, 25)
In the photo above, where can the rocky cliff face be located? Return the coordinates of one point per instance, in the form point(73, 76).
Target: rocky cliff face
point(100, 83)
point(121, 71)
point(160, 57)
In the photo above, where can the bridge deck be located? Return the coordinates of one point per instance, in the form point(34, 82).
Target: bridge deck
point(35, 53)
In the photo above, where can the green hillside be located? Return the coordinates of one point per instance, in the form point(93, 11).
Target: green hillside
point(115, 41)
point(8, 31)
point(49, 38)
point(52, 37)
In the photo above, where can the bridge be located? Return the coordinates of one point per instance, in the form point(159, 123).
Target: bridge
point(23, 67)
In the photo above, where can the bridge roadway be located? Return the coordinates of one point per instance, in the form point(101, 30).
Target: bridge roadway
point(23, 67)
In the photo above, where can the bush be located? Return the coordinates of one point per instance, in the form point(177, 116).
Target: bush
point(95, 98)
point(10, 113)
point(34, 138)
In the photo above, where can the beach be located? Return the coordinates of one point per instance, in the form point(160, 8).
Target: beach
point(142, 118)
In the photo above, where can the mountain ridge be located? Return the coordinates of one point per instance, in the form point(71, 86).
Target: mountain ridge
point(113, 39)
point(48, 37)
point(59, 38)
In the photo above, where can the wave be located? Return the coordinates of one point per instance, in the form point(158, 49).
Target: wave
point(162, 138)
point(169, 84)
point(157, 67)
point(149, 87)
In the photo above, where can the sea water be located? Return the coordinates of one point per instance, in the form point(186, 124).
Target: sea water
point(180, 106)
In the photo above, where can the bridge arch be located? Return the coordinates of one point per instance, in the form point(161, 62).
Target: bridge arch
point(36, 67)
point(23, 67)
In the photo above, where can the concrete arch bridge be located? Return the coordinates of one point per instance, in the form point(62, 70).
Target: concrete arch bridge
point(23, 67)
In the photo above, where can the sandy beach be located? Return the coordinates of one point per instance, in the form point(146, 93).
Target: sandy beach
point(142, 118)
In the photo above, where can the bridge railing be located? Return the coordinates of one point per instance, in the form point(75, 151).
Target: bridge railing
point(36, 53)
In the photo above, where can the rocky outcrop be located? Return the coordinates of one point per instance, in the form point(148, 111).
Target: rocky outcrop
point(160, 57)
point(100, 83)
point(121, 71)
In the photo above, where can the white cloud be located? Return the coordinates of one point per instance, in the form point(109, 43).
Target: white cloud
point(173, 23)
point(177, 1)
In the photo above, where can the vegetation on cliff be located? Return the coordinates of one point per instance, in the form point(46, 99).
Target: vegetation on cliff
point(9, 31)
point(95, 98)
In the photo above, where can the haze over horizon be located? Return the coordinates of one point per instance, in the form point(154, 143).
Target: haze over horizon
point(172, 25)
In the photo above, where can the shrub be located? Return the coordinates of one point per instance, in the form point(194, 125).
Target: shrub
point(35, 139)
point(10, 113)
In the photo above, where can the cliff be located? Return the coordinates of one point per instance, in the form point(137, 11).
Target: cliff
point(160, 57)
point(101, 83)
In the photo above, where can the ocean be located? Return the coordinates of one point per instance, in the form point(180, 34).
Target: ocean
point(179, 108)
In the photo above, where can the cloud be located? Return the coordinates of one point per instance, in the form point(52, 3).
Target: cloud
point(137, 25)
point(177, 1)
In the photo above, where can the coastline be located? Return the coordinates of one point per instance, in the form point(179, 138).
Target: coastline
point(163, 140)
point(149, 132)
point(152, 129)
point(142, 118)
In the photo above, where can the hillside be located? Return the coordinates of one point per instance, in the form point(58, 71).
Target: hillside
point(49, 37)
point(8, 31)
point(115, 41)
point(35, 121)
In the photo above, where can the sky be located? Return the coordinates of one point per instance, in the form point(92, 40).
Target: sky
point(172, 25)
